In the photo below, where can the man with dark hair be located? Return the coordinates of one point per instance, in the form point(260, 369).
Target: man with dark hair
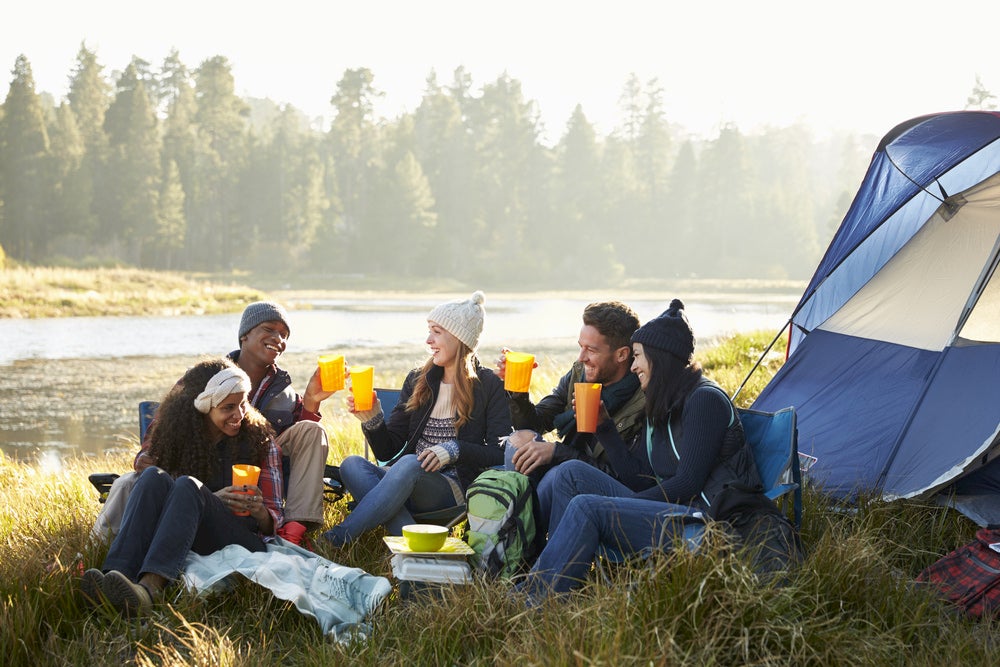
point(605, 357)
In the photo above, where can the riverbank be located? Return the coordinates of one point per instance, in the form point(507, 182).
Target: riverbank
point(35, 292)
point(31, 292)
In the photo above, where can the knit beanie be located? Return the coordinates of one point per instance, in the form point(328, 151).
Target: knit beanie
point(462, 319)
point(260, 312)
point(669, 332)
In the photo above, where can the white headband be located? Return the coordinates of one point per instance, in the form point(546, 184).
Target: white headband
point(225, 382)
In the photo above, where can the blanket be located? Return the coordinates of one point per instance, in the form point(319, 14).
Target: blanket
point(339, 598)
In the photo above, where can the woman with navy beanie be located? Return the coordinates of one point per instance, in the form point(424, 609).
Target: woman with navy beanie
point(694, 446)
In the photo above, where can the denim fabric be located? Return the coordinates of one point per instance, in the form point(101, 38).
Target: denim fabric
point(623, 525)
point(165, 518)
point(573, 478)
point(387, 496)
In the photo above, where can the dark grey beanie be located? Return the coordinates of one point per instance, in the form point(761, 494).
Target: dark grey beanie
point(670, 331)
point(259, 312)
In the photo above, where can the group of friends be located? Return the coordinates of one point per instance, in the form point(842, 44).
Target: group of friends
point(667, 442)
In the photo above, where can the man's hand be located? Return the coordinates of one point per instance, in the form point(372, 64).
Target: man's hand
point(531, 455)
point(314, 393)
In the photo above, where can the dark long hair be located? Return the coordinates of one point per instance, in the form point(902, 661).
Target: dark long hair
point(671, 379)
point(179, 441)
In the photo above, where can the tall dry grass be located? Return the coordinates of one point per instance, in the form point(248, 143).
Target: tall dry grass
point(852, 603)
point(62, 292)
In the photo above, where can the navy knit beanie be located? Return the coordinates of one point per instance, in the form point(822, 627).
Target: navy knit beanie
point(259, 312)
point(670, 332)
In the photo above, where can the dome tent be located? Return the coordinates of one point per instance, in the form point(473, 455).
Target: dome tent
point(894, 350)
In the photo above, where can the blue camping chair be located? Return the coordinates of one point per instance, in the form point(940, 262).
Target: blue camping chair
point(774, 438)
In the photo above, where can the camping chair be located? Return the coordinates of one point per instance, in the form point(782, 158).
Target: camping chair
point(773, 437)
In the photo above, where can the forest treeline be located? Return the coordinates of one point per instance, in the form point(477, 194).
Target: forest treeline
point(167, 167)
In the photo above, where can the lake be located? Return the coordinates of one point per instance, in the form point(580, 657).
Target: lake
point(71, 385)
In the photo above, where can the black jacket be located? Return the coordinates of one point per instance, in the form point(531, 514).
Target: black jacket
point(478, 439)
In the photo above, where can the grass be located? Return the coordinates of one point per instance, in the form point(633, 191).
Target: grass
point(59, 292)
point(852, 602)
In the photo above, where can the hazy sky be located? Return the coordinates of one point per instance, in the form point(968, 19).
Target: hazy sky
point(862, 65)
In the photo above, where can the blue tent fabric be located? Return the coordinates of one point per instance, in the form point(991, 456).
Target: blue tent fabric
point(887, 404)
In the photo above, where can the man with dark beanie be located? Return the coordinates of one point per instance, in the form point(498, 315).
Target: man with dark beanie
point(263, 334)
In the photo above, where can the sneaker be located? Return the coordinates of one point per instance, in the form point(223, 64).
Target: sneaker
point(128, 597)
point(91, 586)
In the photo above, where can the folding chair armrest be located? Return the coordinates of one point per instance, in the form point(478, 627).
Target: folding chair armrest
point(780, 490)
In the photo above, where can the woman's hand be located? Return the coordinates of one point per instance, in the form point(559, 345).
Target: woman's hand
point(243, 499)
point(364, 415)
point(429, 460)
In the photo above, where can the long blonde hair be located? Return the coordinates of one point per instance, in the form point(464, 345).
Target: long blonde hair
point(462, 396)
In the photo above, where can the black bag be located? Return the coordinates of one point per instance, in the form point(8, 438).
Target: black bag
point(761, 527)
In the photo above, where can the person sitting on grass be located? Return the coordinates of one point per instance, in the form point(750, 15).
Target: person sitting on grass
point(263, 334)
point(186, 502)
point(445, 430)
point(694, 446)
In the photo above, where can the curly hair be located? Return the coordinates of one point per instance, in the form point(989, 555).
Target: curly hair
point(179, 441)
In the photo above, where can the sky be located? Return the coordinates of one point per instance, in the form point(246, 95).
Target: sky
point(848, 65)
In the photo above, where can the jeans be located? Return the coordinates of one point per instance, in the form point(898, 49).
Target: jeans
point(570, 479)
point(590, 522)
point(388, 496)
point(166, 518)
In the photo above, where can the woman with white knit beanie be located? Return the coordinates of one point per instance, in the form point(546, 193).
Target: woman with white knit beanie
point(444, 431)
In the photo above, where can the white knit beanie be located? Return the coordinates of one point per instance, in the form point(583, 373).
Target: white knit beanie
point(462, 319)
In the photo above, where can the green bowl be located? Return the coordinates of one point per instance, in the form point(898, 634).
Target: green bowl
point(424, 536)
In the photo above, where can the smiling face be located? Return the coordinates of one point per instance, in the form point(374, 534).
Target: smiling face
point(264, 343)
point(225, 419)
point(600, 362)
point(640, 365)
point(444, 347)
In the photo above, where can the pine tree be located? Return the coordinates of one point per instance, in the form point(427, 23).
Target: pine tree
point(24, 175)
point(133, 166)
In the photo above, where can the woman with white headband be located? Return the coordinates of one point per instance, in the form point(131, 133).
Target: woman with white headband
point(187, 502)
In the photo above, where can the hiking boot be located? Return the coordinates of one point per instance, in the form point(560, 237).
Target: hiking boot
point(91, 586)
point(128, 597)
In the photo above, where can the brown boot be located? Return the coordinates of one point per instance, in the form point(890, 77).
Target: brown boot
point(128, 597)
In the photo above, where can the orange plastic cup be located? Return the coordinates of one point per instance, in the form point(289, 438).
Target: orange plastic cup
point(362, 385)
point(331, 371)
point(517, 375)
point(248, 475)
point(588, 405)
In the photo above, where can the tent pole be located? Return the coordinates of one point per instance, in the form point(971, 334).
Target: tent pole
point(761, 358)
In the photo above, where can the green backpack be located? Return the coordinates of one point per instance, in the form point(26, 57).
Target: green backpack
point(501, 523)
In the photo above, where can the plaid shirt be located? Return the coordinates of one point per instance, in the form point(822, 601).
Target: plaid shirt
point(270, 484)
